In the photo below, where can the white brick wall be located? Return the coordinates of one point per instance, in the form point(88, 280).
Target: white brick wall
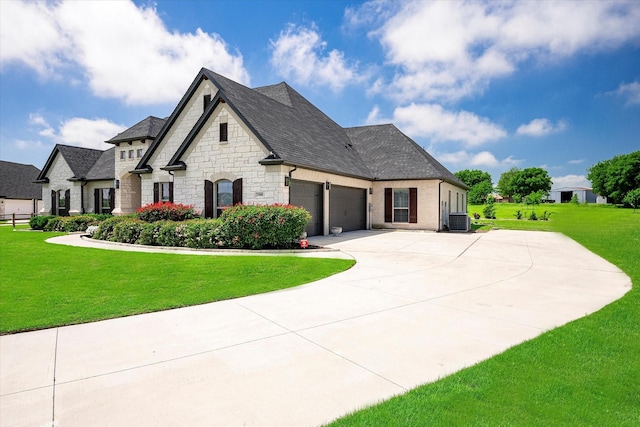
point(59, 174)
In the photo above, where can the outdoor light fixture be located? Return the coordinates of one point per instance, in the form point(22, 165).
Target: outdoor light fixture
point(116, 183)
point(327, 185)
point(287, 181)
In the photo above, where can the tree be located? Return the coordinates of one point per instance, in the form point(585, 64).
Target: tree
point(530, 180)
point(480, 183)
point(615, 177)
point(505, 183)
point(633, 198)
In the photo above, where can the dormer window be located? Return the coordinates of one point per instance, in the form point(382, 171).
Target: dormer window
point(223, 132)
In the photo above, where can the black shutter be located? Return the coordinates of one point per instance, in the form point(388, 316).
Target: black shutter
point(96, 201)
point(112, 199)
point(54, 202)
point(208, 199)
point(413, 205)
point(67, 202)
point(237, 191)
point(171, 192)
point(388, 205)
point(156, 192)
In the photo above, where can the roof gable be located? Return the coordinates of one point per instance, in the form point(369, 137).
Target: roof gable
point(17, 181)
point(79, 159)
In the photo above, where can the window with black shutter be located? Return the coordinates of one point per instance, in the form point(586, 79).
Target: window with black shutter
point(223, 132)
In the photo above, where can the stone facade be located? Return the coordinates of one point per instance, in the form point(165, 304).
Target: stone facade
point(59, 175)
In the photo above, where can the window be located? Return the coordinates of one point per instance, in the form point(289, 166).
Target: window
point(131, 154)
point(224, 196)
point(205, 101)
point(104, 199)
point(106, 202)
point(162, 192)
point(123, 155)
point(401, 205)
point(139, 153)
point(223, 132)
point(62, 200)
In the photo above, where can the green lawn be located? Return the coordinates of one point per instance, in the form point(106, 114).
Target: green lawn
point(44, 285)
point(586, 373)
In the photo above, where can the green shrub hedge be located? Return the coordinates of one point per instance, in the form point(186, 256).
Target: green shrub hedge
point(39, 222)
point(161, 211)
point(67, 223)
point(262, 226)
point(248, 227)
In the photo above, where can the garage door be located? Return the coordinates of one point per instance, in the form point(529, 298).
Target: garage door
point(347, 208)
point(309, 196)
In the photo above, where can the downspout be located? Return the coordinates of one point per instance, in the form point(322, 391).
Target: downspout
point(291, 171)
point(440, 205)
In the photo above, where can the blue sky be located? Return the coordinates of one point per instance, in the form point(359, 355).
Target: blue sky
point(480, 85)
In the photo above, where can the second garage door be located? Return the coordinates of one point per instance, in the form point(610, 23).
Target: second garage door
point(309, 196)
point(348, 208)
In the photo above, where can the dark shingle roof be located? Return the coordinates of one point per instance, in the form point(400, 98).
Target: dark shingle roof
point(392, 155)
point(79, 159)
point(104, 168)
point(16, 181)
point(293, 128)
point(145, 129)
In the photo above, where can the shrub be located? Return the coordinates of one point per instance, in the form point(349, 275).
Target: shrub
point(545, 216)
point(73, 223)
point(39, 222)
point(202, 234)
point(166, 212)
point(533, 216)
point(518, 214)
point(489, 210)
point(127, 231)
point(149, 233)
point(262, 226)
point(476, 215)
point(105, 228)
point(574, 199)
point(534, 198)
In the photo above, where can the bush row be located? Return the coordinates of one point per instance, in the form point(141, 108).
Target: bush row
point(66, 223)
point(242, 227)
point(162, 211)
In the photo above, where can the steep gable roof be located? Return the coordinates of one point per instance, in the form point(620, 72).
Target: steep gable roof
point(79, 159)
point(145, 129)
point(392, 155)
point(290, 127)
point(16, 181)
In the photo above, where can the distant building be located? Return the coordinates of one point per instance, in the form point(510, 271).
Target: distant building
point(18, 193)
point(585, 195)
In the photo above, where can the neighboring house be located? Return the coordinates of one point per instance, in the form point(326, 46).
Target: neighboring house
point(226, 143)
point(585, 195)
point(18, 193)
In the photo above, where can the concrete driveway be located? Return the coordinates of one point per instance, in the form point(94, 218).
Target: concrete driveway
point(416, 307)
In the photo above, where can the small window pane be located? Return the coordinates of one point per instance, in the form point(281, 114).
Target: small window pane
point(223, 132)
point(224, 195)
point(123, 155)
point(139, 152)
point(401, 215)
point(165, 191)
point(131, 154)
point(61, 200)
point(105, 199)
point(401, 198)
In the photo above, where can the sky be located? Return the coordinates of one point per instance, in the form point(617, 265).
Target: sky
point(480, 85)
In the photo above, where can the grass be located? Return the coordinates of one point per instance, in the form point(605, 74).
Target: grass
point(45, 285)
point(585, 373)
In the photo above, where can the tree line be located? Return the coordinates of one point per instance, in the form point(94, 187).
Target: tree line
point(617, 178)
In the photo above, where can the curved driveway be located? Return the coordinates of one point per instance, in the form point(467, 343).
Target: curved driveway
point(415, 307)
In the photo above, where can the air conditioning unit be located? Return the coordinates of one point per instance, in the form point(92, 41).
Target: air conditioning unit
point(459, 221)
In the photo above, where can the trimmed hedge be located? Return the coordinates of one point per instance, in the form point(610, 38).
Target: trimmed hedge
point(248, 227)
point(68, 223)
point(161, 211)
point(39, 222)
point(262, 226)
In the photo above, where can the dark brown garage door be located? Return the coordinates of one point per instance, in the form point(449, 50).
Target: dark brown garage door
point(308, 195)
point(347, 208)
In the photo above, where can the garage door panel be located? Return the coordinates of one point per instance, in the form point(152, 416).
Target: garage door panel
point(347, 208)
point(309, 196)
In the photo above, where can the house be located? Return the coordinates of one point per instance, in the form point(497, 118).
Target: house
point(584, 194)
point(18, 193)
point(225, 143)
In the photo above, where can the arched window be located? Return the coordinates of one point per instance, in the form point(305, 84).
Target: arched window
point(224, 196)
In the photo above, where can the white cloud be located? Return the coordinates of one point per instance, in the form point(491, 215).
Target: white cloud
point(575, 161)
point(570, 181)
point(448, 50)
point(629, 91)
point(22, 144)
point(541, 127)
point(78, 131)
point(123, 51)
point(466, 159)
point(439, 124)
point(299, 54)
